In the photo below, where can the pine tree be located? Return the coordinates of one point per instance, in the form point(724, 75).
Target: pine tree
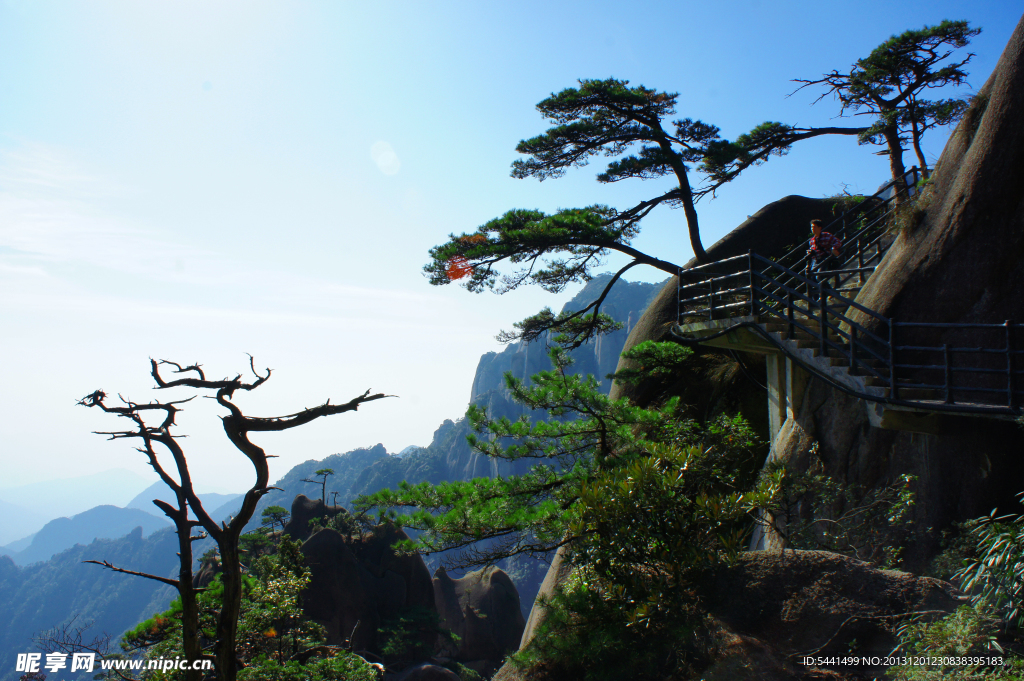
point(888, 84)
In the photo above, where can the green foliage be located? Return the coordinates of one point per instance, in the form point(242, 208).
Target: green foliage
point(813, 511)
point(655, 360)
point(573, 330)
point(888, 84)
point(607, 117)
point(955, 643)
point(650, 528)
point(273, 516)
point(253, 545)
point(530, 513)
point(997, 576)
point(571, 241)
point(271, 628)
point(323, 474)
point(645, 500)
point(343, 523)
point(412, 635)
point(959, 549)
point(585, 637)
point(342, 665)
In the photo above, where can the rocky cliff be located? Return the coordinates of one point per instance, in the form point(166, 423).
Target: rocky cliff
point(958, 256)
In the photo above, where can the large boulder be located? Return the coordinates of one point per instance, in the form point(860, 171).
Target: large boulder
point(482, 609)
point(304, 511)
point(361, 580)
point(779, 607)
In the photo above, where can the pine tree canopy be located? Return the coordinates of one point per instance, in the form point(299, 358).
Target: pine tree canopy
point(630, 124)
point(888, 84)
point(585, 445)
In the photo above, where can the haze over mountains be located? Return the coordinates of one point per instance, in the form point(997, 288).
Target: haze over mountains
point(40, 595)
point(24, 509)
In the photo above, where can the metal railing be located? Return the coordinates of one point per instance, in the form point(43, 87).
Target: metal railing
point(864, 229)
point(944, 366)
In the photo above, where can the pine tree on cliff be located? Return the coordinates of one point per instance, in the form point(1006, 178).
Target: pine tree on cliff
point(889, 84)
point(609, 118)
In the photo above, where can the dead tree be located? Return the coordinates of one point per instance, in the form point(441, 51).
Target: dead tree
point(237, 426)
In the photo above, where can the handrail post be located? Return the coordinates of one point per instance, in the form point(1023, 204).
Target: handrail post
point(893, 390)
point(789, 314)
point(949, 374)
point(860, 259)
point(711, 299)
point(823, 307)
point(753, 291)
point(853, 351)
point(679, 295)
point(1009, 363)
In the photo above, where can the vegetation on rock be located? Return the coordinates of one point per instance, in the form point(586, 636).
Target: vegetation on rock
point(644, 499)
point(237, 427)
point(274, 640)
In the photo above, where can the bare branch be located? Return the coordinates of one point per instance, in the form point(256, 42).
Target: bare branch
point(158, 578)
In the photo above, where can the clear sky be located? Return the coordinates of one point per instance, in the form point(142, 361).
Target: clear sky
point(198, 180)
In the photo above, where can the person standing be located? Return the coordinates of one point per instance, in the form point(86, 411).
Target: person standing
point(823, 246)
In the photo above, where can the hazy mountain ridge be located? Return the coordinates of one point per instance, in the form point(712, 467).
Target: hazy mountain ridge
point(45, 594)
point(101, 522)
point(64, 498)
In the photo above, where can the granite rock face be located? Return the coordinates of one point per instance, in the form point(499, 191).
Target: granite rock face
point(482, 608)
point(958, 257)
point(361, 580)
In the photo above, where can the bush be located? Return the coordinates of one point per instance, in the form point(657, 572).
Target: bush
point(969, 634)
point(998, 574)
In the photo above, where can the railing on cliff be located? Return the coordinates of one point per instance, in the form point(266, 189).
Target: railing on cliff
point(865, 231)
point(962, 367)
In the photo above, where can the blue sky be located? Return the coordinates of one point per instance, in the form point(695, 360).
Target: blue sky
point(197, 180)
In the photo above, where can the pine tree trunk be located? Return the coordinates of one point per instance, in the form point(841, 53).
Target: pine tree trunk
point(899, 171)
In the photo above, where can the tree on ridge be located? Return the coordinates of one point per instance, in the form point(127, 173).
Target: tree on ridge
point(237, 427)
point(888, 84)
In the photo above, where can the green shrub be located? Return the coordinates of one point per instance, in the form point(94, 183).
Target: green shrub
point(969, 634)
point(997, 576)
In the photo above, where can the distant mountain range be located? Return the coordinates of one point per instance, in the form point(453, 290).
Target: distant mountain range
point(213, 502)
point(107, 522)
point(48, 593)
point(41, 596)
point(21, 512)
point(101, 522)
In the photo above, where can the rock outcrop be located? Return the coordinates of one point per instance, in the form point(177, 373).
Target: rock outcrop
point(361, 580)
point(305, 510)
point(958, 257)
point(770, 609)
point(482, 609)
point(777, 607)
